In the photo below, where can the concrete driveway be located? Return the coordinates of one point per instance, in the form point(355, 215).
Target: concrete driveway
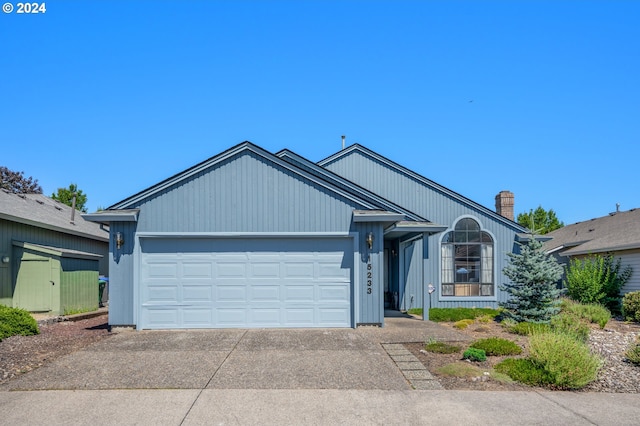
point(325, 376)
point(239, 359)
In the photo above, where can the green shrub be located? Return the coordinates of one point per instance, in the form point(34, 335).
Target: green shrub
point(528, 328)
point(15, 321)
point(571, 325)
point(585, 278)
point(462, 324)
point(474, 354)
point(631, 306)
point(524, 371)
point(568, 361)
point(485, 319)
point(457, 314)
point(508, 323)
point(495, 346)
point(597, 279)
point(441, 348)
point(594, 313)
point(633, 353)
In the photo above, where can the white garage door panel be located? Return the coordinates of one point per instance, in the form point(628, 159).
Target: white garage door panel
point(197, 293)
point(335, 315)
point(160, 318)
point(304, 317)
point(205, 283)
point(194, 317)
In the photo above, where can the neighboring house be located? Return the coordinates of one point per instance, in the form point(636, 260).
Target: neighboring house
point(253, 239)
point(49, 262)
point(617, 234)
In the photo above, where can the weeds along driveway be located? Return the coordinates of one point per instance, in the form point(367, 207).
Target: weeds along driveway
point(223, 359)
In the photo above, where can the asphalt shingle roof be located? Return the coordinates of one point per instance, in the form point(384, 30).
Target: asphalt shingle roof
point(616, 231)
point(44, 212)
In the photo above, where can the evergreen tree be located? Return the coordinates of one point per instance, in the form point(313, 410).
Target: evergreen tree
point(534, 295)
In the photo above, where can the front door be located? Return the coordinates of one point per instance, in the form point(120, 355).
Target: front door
point(411, 287)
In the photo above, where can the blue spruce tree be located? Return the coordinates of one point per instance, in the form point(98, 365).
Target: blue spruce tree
point(534, 295)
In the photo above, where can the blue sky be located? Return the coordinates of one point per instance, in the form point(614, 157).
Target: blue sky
point(540, 98)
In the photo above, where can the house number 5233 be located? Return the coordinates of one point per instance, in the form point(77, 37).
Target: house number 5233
point(369, 278)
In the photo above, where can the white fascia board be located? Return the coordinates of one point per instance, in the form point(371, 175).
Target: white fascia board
point(108, 216)
point(403, 229)
point(555, 249)
point(376, 216)
point(418, 227)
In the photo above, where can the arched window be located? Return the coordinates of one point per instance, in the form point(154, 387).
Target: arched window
point(467, 261)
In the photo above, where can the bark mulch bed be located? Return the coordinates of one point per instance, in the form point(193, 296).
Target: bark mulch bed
point(617, 374)
point(21, 354)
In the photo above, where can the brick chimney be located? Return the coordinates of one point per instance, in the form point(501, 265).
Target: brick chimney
point(504, 204)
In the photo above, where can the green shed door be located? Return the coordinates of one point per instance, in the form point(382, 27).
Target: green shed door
point(34, 286)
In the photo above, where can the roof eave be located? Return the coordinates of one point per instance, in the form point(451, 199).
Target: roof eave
point(108, 216)
point(525, 238)
point(50, 227)
point(57, 251)
point(574, 252)
point(402, 229)
point(376, 216)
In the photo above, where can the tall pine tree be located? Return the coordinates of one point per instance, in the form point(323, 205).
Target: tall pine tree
point(534, 295)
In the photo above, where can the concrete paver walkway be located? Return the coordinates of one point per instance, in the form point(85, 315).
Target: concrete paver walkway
point(412, 369)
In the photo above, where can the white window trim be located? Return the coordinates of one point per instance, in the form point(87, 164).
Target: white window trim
point(442, 298)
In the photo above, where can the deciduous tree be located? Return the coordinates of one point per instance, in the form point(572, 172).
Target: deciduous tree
point(16, 183)
point(540, 221)
point(65, 196)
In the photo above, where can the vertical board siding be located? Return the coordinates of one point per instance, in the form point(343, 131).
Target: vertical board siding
point(246, 194)
point(435, 205)
point(631, 258)
point(121, 277)
point(371, 305)
point(34, 272)
point(78, 291)
point(12, 231)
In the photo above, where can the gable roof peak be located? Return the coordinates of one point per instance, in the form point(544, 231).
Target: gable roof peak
point(356, 147)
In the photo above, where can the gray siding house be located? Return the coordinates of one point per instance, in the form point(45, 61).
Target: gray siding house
point(49, 259)
point(617, 234)
point(249, 238)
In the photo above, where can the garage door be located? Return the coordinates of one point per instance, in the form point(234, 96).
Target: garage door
point(245, 283)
